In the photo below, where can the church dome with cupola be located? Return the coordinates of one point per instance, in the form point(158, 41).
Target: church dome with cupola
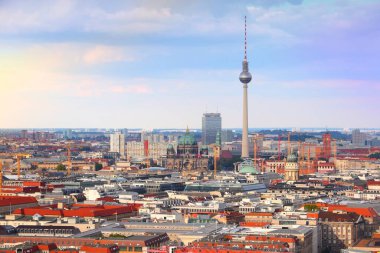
point(187, 145)
point(248, 167)
point(292, 158)
point(187, 139)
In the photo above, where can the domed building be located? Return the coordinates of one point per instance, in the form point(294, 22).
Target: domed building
point(247, 167)
point(291, 168)
point(187, 145)
point(188, 156)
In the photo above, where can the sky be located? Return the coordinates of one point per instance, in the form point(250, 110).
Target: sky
point(163, 63)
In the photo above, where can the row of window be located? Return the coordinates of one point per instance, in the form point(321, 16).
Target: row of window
point(45, 231)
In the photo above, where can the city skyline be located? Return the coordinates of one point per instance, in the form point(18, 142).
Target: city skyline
point(72, 64)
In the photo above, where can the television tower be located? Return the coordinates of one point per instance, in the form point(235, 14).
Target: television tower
point(245, 77)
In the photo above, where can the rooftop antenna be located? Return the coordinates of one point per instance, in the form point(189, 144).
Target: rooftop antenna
point(245, 37)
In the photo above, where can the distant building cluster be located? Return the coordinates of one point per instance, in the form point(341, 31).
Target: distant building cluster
point(299, 192)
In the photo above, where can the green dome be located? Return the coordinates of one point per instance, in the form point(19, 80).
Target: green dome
point(292, 158)
point(248, 170)
point(187, 139)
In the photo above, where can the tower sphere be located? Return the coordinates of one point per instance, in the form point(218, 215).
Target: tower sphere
point(245, 77)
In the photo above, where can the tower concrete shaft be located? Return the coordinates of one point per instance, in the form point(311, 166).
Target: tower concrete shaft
point(244, 144)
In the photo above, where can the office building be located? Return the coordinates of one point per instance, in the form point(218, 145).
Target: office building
point(227, 135)
point(117, 144)
point(340, 230)
point(136, 150)
point(211, 125)
point(358, 138)
point(68, 134)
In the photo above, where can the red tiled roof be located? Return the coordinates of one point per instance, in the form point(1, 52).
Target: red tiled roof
point(254, 224)
point(16, 200)
point(49, 246)
point(79, 210)
point(364, 211)
point(259, 214)
point(33, 183)
point(65, 251)
point(339, 217)
point(107, 199)
point(100, 249)
point(373, 182)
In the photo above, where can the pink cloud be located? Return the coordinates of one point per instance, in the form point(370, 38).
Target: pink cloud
point(104, 54)
point(134, 89)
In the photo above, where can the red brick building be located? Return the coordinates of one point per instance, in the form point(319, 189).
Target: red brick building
point(81, 210)
point(10, 203)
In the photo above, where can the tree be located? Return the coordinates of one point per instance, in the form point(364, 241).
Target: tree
point(98, 166)
point(311, 208)
point(375, 155)
point(117, 236)
point(61, 167)
point(228, 163)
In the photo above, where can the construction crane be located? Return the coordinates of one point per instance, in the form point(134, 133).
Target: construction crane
point(1, 176)
point(308, 160)
point(302, 165)
point(279, 147)
point(334, 150)
point(18, 163)
point(255, 151)
point(299, 154)
point(216, 158)
point(18, 166)
point(69, 165)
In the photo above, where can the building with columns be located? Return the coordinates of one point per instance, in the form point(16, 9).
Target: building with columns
point(291, 168)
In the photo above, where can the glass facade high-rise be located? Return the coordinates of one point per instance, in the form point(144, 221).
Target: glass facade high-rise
point(211, 125)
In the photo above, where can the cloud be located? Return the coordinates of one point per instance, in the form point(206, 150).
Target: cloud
point(145, 17)
point(95, 86)
point(133, 89)
point(105, 54)
point(332, 84)
point(17, 17)
point(124, 54)
point(64, 69)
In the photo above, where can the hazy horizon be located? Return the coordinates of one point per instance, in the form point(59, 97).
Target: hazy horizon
point(294, 129)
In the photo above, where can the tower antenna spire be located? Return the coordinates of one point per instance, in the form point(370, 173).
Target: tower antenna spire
point(245, 37)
